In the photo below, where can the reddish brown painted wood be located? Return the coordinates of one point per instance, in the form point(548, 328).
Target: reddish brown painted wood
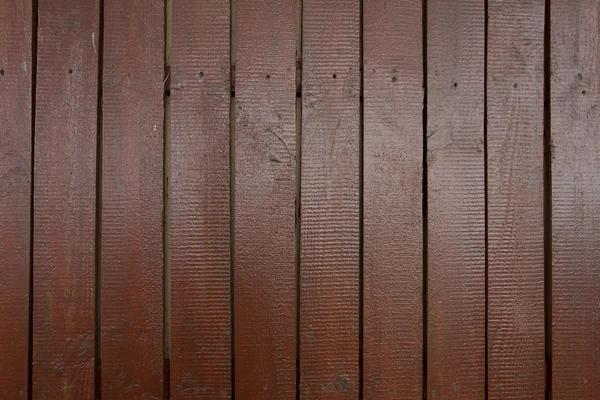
point(456, 200)
point(65, 200)
point(265, 189)
point(575, 93)
point(199, 194)
point(393, 182)
point(329, 296)
point(515, 140)
point(132, 200)
point(15, 193)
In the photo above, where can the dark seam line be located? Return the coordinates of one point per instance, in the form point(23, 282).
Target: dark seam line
point(425, 304)
point(548, 199)
point(166, 203)
point(232, 121)
point(98, 233)
point(485, 174)
point(361, 211)
point(299, 35)
point(34, 31)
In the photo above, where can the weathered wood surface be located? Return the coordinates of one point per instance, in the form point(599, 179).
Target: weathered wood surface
point(330, 203)
point(575, 147)
point(15, 195)
point(255, 183)
point(64, 229)
point(515, 145)
point(199, 201)
point(393, 181)
point(265, 190)
point(132, 200)
point(456, 200)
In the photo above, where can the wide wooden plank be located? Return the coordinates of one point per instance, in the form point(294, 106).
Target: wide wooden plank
point(330, 206)
point(15, 195)
point(199, 196)
point(393, 183)
point(575, 132)
point(515, 145)
point(456, 199)
point(132, 200)
point(65, 200)
point(265, 190)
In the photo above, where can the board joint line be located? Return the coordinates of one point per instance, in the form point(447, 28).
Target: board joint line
point(98, 222)
point(547, 200)
point(298, 195)
point(424, 202)
point(232, 127)
point(485, 179)
point(34, 49)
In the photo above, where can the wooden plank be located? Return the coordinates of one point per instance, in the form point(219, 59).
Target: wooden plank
point(393, 183)
point(515, 143)
point(199, 195)
point(575, 84)
point(15, 195)
point(456, 200)
point(265, 190)
point(330, 209)
point(132, 200)
point(65, 200)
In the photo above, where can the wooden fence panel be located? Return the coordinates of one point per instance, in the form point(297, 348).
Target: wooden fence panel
point(330, 204)
point(265, 189)
point(515, 141)
point(132, 200)
point(575, 133)
point(15, 194)
point(199, 198)
point(65, 200)
point(456, 199)
point(393, 183)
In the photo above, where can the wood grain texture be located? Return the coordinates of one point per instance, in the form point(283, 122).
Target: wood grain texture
point(456, 200)
point(515, 141)
point(199, 195)
point(330, 207)
point(132, 200)
point(393, 182)
point(575, 93)
point(15, 195)
point(65, 200)
point(265, 190)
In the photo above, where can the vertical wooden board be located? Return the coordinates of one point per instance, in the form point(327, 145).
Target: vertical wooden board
point(15, 193)
point(330, 206)
point(199, 195)
point(575, 130)
point(456, 199)
point(65, 200)
point(132, 200)
point(515, 141)
point(393, 183)
point(265, 189)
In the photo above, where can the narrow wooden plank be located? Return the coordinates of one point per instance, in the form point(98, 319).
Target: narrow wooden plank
point(330, 211)
point(199, 195)
point(393, 184)
point(575, 93)
point(132, 200)
point(265, 186)
point(515, 142)
point(456, 200)
point(65, 200)
point(15, 193)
